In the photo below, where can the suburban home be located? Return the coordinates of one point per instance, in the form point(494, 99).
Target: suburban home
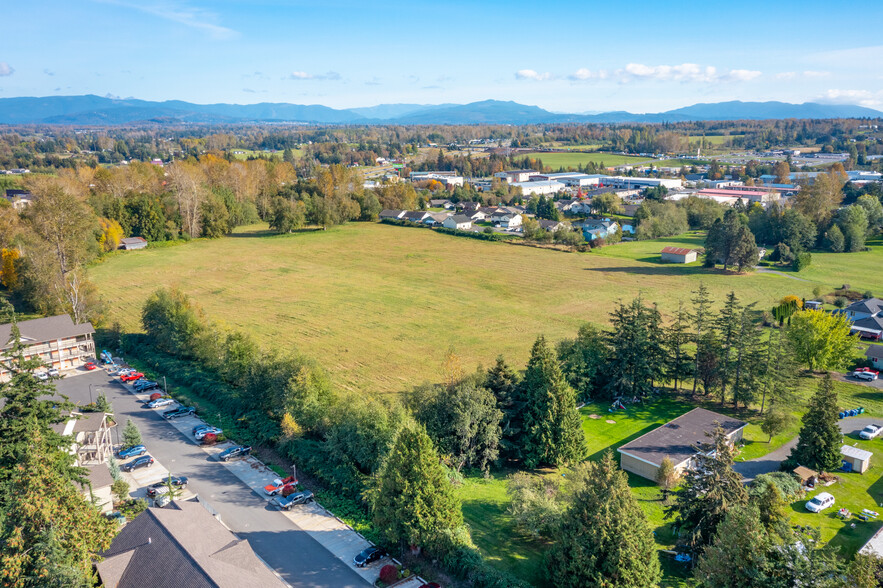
point(91, 436)
point(875, 354)
point(874, 546)
point(868, 328)
point(130, 243)
point(476, 214)
point(458, 221)
point(856, 459)
point(415, 216)
point(678, 440)
point(54, 340)
point(506, 220)
point(98, 487)
point(550, 225)
point(599, 229)
point(181, 544)
point(19, 199)
point(467, 205)
point(441, 203)
point(863, 309)
point(436, 218)
point(392, 214)
point(678, 255)
point(565, 205)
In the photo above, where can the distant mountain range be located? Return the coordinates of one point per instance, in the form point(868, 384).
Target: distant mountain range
point(96, 110)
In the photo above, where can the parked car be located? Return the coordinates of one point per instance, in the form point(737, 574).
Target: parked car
point(53, 373)
point(159, 402)
point(91, 366)
point(131, 377)
point(178, 412)
point(141, 384)
point(161, 487)
point(203, 432)
point(431, 585)
point(870, 431)
point(368, 556)
point(125, 371)
point(132, 451)
point(820, 502)
point(234, 452)
point(284, 503)
point(198, 428)
point(42, 376)
point(865, 375)
point(145, 461)
point(278, 485)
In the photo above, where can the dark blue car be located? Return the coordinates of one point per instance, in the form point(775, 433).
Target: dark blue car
point(132, 451)
point(145, 461)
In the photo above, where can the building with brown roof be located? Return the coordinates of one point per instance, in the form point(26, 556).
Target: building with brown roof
point(677, 440)
point(181, 544)
point(54, 340)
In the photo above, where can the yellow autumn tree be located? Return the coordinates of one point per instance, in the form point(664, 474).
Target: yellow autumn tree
point(791, 298)
point(111, 234)
point(9, 273)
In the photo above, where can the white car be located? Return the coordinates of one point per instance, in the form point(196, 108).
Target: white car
point(820, 502)
point(869, 376)
point(42, 376)
point(53, 372)
point(203, 432)
point(870, 431)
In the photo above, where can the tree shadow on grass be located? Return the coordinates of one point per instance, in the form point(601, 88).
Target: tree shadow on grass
point(660, 269)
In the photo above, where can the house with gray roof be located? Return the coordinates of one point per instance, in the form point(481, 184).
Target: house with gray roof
point(863, 309)
point(56, 340)
point(181, 544)
point(392, 214)
point(132, 243)
point(875, 354)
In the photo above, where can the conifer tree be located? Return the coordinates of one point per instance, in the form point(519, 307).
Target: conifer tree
point(708, 491)
point(702, 321)
point(679, 365)
point(583, 360)
point(131, 435)
point(414, 502)
point(818, 446)
point(737, 557)
point(727, 324)
point(747, 365)
point(631, 361)
point(777, 383)
point(605, 539)
point(503, 383)
point(552, 425)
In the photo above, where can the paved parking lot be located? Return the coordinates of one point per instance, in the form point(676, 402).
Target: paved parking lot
point(289, 549)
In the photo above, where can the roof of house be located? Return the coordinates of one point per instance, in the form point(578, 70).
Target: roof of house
point(88, 422)
point(677, 250)
point(548, 224)
point(393, 213)
point(874, 352)
point(855, 452)
point(679, 438)
point(872, 323)
point(416, 215)
point(181, 545)
point(99, 476)
point(133, 240)
point(869, 305)
point(44, 329)
point(460, 218)
point(805, 473)
point(874, 546)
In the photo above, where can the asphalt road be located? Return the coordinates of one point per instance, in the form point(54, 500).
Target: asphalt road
point(297, 557)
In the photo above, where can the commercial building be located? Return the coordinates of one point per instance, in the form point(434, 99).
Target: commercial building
point(516, 175)
point(448, 178)
point(572, 179)
point(56, 341)
point(539, 188)
point(630, 183)
point(677, 440)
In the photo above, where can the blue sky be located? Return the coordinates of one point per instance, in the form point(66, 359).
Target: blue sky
point(564, 56)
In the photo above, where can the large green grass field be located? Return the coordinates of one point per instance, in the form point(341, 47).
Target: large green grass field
point(572, 160)
point(379, 305)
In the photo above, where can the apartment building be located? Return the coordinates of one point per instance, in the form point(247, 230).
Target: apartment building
point(55, 340)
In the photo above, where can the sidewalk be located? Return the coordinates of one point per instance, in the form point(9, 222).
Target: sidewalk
point(329, 531)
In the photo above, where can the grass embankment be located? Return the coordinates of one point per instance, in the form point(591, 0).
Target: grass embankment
point(379, 306)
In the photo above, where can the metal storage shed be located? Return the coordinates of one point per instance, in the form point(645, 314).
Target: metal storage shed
point(859, 459)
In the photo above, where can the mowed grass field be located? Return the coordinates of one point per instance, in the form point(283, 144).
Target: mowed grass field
point(379, 306)
point(572, 160)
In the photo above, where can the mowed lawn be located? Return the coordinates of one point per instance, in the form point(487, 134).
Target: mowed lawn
point(572, 160)
point(379, 305)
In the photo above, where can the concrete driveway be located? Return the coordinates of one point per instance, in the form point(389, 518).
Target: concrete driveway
point(288, 549)
point(850, 428)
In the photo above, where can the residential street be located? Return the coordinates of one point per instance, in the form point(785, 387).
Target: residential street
point(297, 557)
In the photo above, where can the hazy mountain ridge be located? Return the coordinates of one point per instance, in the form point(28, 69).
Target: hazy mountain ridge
point(97, 110)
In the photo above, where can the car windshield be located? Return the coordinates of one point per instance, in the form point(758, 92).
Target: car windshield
point(815, 501)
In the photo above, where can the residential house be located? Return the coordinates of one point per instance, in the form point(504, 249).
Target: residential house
point(131, 243)
point(677, 440)
point(20, 199)
point(678, 255)
point(441, 203)
point(90, 433)
point(863, 309)
point(599, 229)
point(392, 214)
point(98, 487)
point(181, 544)
point(509, 221)
point(415, 216)
point(55, 340)
point(458, 221)
point(436, 219)
point(467, 205)
point(875, 354)
point(565, 205)
point(550, 225)
point(868, 328)
point(476, 214)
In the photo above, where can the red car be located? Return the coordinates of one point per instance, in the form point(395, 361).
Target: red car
point(869, 370)
point(91, 366)
point(131, 377)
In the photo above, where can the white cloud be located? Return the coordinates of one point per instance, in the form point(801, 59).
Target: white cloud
point(786, 75)
point(741, 75)
point(583, 74)
point(816, 74)
point(860, 97)
point(6, 69)
point(302, 75)
point(529, 74)
point(178, 12)
point(686, 72)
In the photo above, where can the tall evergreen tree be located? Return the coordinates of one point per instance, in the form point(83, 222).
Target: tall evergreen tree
point(414, 502)
point(727, 323)
point(605, 539)
point(679, 364)
point(583, 359)
point(631, 361)
point(708, 491)
point(702, 321)
point(552, 425)
point(737, 557)
point(131, 435)
point(656, 343)
point(777, 383)
point(748, 367)
point(818, 446)
point(502, 381)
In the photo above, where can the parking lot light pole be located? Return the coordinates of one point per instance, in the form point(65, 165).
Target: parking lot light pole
point(165, 388)
point(294, 468)
point(90, 394)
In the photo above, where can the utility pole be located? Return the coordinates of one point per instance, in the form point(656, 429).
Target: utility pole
point(165, 388)
point(294, 469)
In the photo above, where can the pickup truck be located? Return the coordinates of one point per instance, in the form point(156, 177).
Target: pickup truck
point(301, 497)
point(870, 431)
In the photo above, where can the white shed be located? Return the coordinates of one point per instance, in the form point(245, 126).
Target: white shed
point(859, 459)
